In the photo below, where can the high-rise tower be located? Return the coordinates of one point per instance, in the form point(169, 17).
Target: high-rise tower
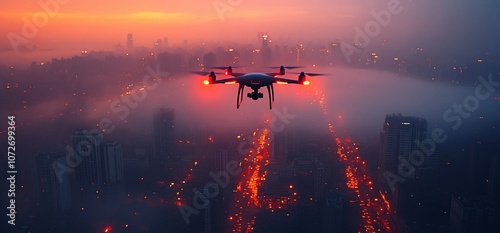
point(164, 138)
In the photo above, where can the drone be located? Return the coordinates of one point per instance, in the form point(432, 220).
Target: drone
point(255, 81)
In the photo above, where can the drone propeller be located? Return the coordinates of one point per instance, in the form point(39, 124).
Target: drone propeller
point(222, 67)
point(203, 73)
point(286, 67)
point(312, 74)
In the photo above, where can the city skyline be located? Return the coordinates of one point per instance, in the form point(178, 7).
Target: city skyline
point(86, 27)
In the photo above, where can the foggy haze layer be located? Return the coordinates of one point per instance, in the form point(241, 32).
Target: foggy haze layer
point(360, 98)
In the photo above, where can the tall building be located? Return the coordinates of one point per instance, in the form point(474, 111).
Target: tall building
point(481, 169)
point(494, 189)
point(473, 215)
point(320, 179)
point(164, 138)
point(214, 215)
point(398, 141)
point(87, 146)
point(221, 159)
point(299, 54)
point(400, 137)
point(335, 215)
point(336, 54)
point(279, 147)
point(53, 191)
point(112, 162)
point(130, 41)
point(266, 50)
point(261, 35)
point(265, 41)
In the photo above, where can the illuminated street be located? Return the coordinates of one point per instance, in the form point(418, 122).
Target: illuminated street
point(374, 207)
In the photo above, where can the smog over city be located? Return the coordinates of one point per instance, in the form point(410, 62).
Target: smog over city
point(250, 116)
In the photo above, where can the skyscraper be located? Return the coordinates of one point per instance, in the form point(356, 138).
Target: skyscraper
point(473, 215)
point(280, 146)
point(397, 141)
point(87, 145)
point(481, 169)
point(53, 190)
point(265, 41)
point(494, 183)
point(112, 161)
point(130, 41)
point(335, 214)
point(221, 159)
point(416, 193)
point(320, 177)
point(164, 138)
point(266, 49)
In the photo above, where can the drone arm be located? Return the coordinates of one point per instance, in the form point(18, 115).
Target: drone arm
point(227, 80)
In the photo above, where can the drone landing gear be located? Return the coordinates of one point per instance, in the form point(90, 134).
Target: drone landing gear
point(255, 95)
point(239, 98)
point(271, 100)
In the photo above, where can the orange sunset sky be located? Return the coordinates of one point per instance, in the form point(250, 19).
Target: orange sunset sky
point(108, 22)
point(103, 24)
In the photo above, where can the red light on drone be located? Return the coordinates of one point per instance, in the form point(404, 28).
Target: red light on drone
point(206, 82)
point(107, 229)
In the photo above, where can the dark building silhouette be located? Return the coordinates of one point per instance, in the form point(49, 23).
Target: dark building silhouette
point(280, 146)
point(87, 146)
point(164, 139)
point(266, 50)
point(335, 217)
point(397, 141)
point(477, 209)
point(473, 215)
point(416, 194)
point(320, 179)
point(101, 162)
point(53, 190)
point(494, 181)
point(482, 169)
point(130, 41)
point(336, 55)
point(112, 162)
point(221, 159)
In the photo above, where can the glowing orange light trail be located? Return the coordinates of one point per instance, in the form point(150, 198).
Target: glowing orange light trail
point(375, 209)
